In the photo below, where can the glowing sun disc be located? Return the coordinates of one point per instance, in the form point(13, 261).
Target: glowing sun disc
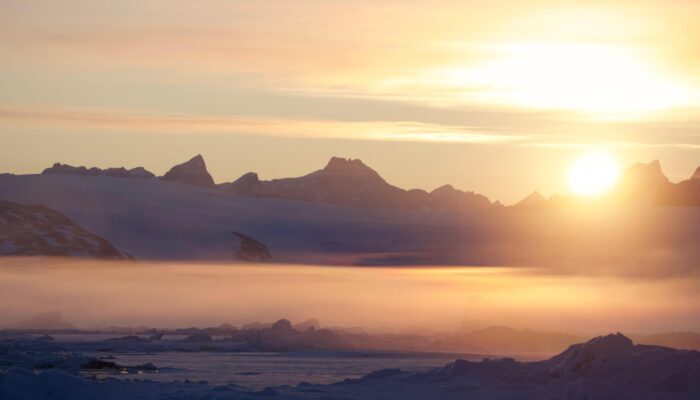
point(593, 173)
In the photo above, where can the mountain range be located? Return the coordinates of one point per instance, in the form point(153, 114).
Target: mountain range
point(346, 213)
point(342, 182)
point(351, 183)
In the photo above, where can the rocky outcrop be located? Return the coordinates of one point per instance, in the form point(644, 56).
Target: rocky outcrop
point(250, 250)
point(121, 172)
point(41, 231)
point(192, 172)
point(351, 183)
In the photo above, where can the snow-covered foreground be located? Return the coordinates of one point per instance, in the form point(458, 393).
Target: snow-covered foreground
point(609, 367)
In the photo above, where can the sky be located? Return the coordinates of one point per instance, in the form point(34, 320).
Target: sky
point(498, 97)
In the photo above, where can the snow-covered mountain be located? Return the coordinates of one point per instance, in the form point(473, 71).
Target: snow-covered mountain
point(157, 219)
point(41, 231)
point(347, 214)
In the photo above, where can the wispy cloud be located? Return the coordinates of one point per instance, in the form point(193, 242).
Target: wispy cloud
point(128, 121)
point(445, 56)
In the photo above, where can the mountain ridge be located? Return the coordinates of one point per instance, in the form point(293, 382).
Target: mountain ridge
point(351, 183)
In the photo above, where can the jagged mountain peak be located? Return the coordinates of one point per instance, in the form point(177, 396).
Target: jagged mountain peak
point(340, 163)
point(353, 168)
point(192, 172)
point(198, 159)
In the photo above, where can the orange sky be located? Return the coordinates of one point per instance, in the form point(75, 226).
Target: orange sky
point(425, 92)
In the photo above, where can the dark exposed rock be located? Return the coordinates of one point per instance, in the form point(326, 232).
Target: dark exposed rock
point(40, 231)
point(251, 250)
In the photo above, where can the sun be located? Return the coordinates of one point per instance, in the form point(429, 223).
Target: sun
point(593, 173)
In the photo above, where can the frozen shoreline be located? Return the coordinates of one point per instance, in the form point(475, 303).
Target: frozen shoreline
point(604, 367)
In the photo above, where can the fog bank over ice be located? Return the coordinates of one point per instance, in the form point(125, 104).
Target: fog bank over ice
point(93, 294)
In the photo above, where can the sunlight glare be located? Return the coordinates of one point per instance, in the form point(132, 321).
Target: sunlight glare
point(593, 173)
point(593, 78)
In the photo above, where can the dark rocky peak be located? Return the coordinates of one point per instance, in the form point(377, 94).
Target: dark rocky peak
point(193, 172)
point(349, 168)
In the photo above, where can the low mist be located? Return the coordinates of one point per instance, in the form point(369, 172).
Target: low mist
point(93, 294)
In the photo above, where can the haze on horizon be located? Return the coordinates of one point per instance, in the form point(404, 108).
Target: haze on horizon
point(428, 94)
point(100, 294)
